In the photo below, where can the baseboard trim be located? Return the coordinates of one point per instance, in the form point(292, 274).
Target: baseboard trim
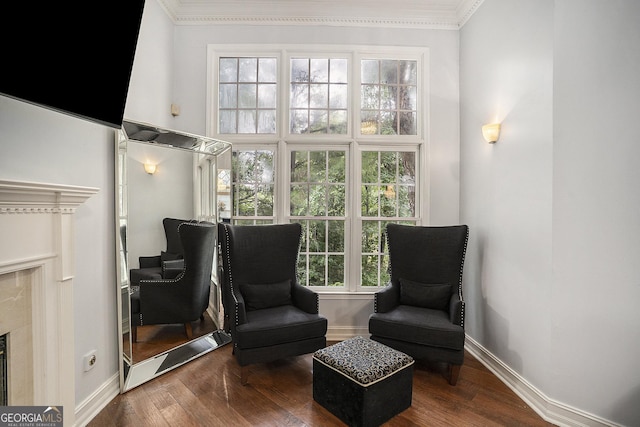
point(97, 401)
point(550, 410)
point(341, 333)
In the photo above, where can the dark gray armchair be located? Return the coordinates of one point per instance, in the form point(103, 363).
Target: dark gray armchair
point(185, 298)
point(421, 312)
point(270, 315)
point(168, 264)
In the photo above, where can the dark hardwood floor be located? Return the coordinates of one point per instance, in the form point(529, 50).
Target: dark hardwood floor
point(155, 339)
point(207, 392)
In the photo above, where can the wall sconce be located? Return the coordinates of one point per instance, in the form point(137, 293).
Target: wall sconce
point(491, 132)
point(150, 168)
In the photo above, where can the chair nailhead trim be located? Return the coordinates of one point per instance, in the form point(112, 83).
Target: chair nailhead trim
point(464, 252)
point(233, 294)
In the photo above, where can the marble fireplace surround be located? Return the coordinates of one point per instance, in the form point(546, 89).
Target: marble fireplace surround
point(37, 265)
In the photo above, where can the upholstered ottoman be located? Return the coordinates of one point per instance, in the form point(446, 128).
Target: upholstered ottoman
point(362, 382)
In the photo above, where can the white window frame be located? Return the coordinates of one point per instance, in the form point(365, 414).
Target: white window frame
point(214, 53)
point(276, 165)
point(421, 56)
point(348, 256)
point(353, 142)
point(304, 52)
point(357, 223)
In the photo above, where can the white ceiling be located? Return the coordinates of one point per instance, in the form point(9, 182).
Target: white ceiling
point(432, 14)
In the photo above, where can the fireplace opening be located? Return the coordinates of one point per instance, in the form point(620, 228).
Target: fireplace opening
point(4, 392)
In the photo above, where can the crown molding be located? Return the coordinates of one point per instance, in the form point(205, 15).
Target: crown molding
point(466, 9)
point(421, 14)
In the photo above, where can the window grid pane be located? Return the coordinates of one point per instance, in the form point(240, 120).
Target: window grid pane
point(318, 96)
point(388, 97)
point(388, 184)
point(247, 99)
point(387, 195)
point(253, 186)
point(317, 202)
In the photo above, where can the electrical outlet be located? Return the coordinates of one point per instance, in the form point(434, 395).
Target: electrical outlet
point(90, 360)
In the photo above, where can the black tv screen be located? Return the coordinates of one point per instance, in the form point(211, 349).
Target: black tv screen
point(74, 57)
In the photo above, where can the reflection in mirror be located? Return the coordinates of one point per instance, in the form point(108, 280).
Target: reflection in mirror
point(224, 188)
point(171, 192)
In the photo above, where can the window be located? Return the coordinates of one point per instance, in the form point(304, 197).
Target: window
point(298, 158)
point(253, 186)
point(389, 92)
point(318, 95)
point(223, 203)
point(247, 98)
point(318, 194)
point(388, 185)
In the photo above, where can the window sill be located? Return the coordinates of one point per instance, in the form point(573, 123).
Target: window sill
point(344, 295)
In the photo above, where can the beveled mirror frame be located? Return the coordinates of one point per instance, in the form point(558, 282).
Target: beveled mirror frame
point(205, 152)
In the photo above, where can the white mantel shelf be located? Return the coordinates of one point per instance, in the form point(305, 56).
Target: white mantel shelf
point(18, 196)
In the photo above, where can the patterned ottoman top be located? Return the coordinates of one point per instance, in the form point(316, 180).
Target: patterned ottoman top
point(363, 360)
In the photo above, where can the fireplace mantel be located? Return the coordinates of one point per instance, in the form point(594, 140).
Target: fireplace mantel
point(37, 229)
point(34, 197)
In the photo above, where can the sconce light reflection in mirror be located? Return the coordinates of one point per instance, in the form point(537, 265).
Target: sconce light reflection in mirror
point(150, 168)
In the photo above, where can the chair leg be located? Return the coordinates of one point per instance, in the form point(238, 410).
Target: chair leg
point(188, 330)
point(244, 374)
point(225, 324)
point(454, 371)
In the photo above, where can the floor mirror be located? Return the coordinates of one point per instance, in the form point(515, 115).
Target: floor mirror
point(163, 178)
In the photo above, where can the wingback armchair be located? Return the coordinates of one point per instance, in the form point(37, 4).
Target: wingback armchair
point(421, 311)
point(185, 298)
point(168, 264)
point(270, 315)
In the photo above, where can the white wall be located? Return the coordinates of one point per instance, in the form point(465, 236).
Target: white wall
point(150, 89)
point(45, 146)
point(166, 193)
point(506, 76)
point(596, 208)
point(553, 206)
